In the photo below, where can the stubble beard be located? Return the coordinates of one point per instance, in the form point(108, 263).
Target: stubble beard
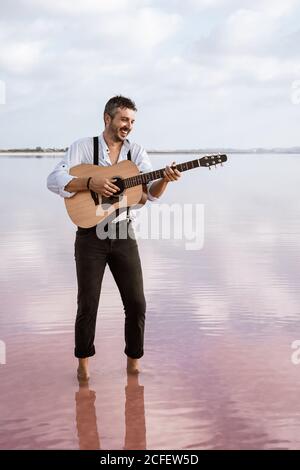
point(115, 134)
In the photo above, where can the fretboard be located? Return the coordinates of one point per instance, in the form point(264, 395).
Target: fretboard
point(145, 178)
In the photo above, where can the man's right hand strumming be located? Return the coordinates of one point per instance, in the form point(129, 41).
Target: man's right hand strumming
point(103, 186)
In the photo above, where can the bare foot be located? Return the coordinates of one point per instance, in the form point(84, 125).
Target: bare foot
point(83, 370)
point(133, 366)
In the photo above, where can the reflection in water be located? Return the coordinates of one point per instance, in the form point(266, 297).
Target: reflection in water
point(86, 418)
point(135, 437)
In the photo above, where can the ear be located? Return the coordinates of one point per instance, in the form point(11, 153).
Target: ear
point(107, 119)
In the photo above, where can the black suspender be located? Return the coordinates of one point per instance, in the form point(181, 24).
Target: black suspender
point(96, 162)
point(96, 150)
point(128, 158)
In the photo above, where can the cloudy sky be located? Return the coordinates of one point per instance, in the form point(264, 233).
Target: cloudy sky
point(203, 73)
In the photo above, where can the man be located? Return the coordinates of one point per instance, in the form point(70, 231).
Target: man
point(92, 253)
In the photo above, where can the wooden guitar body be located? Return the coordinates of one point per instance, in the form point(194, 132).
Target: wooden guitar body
point(82, 208)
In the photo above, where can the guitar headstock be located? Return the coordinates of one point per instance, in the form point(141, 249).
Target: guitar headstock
point(213, 160)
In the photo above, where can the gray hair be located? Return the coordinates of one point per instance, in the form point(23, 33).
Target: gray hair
point(118, 102)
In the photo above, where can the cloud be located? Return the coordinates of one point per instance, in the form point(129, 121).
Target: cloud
point(20, 57)
point(67, 58)
point(146, 28)
point(275, 8)
point(80, 7)
point(249, 45)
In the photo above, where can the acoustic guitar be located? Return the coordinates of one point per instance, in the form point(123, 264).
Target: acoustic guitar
point(87, 208)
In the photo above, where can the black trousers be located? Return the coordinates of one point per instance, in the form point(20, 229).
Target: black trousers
point(122, 256)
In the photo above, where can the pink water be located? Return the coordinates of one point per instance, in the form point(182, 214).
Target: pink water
point(217, 371)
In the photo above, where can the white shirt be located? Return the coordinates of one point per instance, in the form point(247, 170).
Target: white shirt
point(82, 151)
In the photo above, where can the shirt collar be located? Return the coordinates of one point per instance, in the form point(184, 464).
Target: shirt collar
point(105, 150)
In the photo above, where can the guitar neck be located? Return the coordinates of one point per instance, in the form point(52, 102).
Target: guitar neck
point(145, 178)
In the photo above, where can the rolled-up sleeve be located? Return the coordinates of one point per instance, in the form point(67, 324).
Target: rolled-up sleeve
point(149, 195)
point(60, 177)
point(144, 164)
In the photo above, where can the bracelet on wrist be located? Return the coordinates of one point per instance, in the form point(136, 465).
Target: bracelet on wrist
point(88, 182)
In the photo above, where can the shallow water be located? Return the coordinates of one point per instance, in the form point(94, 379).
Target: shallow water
point(217, 371)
